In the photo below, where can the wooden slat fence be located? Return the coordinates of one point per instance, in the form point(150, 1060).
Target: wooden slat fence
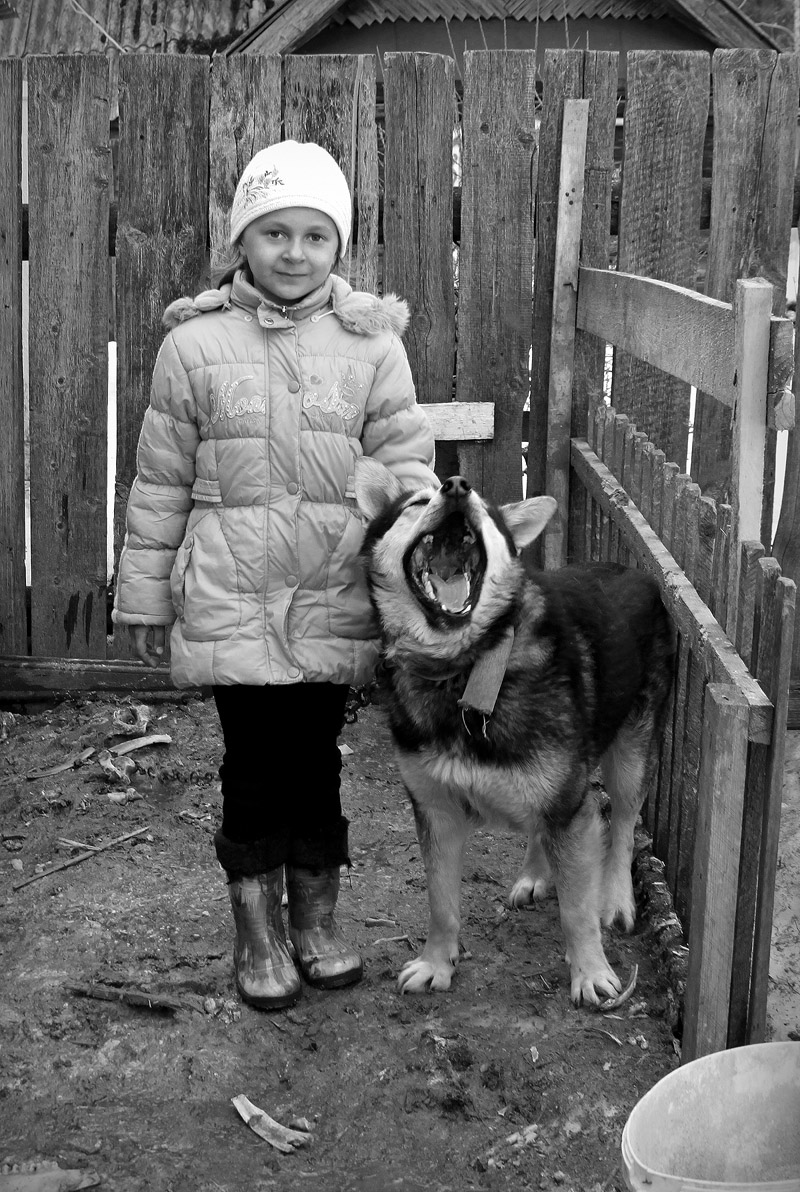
point(505, 344)
point(714, 809)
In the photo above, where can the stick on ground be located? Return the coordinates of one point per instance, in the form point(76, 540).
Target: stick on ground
point(82, 857)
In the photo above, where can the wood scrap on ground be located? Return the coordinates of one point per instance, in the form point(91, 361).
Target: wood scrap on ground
point(281, 1137)
point(99, 848)
point(131, 997)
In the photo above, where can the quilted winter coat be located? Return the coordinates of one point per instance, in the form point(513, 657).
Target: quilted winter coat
point(242, 531)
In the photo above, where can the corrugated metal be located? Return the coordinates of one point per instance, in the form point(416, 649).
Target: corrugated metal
point(206, 26)
point(171, 26)
point(370, 12)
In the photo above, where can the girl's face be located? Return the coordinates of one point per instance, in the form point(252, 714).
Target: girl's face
point(290, 252)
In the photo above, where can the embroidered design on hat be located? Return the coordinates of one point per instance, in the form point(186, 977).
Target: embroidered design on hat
point(257, 188)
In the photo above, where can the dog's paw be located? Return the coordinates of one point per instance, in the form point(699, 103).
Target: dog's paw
point(424, 976)
point(527, 890)
point(590, 986)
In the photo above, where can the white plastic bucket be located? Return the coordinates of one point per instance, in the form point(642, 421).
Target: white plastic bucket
point(727, 1121)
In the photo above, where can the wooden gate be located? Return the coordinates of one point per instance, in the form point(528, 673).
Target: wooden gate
point(513, 306)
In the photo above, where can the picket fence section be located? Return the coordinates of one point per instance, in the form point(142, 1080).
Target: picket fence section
point(497, 258)
point(715, 809)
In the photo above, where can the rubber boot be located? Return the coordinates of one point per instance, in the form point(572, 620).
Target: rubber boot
point(325, 958)
point(265, 973)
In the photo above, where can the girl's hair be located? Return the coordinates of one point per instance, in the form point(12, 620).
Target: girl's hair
point(228, 265)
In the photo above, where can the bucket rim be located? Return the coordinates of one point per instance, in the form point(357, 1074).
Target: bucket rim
point(688, 1184)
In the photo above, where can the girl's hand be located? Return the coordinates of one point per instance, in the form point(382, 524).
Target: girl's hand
point(148, 642)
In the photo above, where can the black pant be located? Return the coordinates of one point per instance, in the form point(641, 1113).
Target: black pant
point(281, 766)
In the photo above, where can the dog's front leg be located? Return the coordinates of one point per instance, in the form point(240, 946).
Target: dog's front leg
point(576, 854)
point(442, 836)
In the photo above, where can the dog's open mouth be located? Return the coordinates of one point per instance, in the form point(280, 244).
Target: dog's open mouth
point(447, 564)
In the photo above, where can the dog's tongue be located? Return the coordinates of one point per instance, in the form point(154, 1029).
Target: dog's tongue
point(451, 593)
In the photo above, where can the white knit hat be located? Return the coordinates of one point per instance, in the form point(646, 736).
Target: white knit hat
point(292, 174)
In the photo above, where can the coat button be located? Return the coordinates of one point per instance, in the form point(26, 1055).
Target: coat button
point(290, 581)
point(293, 386)
point(292, 488)
point(293, 672)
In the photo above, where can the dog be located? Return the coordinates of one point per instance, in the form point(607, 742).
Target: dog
point(507, 688)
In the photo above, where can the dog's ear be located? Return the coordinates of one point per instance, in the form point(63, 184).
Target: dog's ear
point(527, 519)
point(376, 487)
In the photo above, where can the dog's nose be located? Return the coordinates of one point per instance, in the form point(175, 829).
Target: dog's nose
point(455, 487)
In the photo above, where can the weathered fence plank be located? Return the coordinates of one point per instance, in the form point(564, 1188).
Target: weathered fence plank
point(773, 669)
point(496, 258)
point(755, 101)
point(245, 117)
point(562, 79)
point(420, 116)
point(13, 630)
point(632, 313)
point(765, 576)
point(562, 336)
point(163, 206)
point(751, 306)
point(330, 99)
point(600, 83)
point(665, 122)
point(69, 166)
point(716, 864)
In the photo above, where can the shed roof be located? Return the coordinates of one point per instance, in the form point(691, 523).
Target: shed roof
point(251, 26)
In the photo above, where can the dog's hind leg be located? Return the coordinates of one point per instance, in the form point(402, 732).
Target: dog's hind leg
point(627, 769)
point(535, 880)
point(442, 835)
point(576, 853)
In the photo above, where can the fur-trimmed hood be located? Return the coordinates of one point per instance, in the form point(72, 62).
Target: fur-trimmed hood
point(357, 311)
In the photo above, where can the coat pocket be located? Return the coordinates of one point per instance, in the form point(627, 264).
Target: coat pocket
point(204, 581)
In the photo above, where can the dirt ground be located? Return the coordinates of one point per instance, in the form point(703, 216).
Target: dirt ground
point(499, 1083)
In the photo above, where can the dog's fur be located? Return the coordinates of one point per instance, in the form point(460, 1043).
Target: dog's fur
point(586, 685)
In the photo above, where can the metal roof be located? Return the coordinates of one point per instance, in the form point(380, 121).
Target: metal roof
point(370, 12)
point(209, 26)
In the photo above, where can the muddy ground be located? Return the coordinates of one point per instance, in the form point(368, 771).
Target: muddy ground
point(499, 1083)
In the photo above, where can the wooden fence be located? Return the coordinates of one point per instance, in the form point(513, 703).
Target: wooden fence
point(714, 813)
point(497, 268)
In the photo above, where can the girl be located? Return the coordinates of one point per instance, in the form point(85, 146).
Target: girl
point(242, 535)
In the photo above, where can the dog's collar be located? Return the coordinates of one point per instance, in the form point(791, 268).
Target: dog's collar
point(486, 679)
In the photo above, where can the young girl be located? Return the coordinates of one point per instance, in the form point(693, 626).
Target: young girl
point(242, 535)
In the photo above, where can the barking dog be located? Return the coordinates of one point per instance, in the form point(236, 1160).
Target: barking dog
point(507, 690)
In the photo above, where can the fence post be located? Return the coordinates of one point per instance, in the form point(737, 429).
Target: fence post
point(752, 308)
point(723, 773)
point(562, 331)
point(13, 631)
